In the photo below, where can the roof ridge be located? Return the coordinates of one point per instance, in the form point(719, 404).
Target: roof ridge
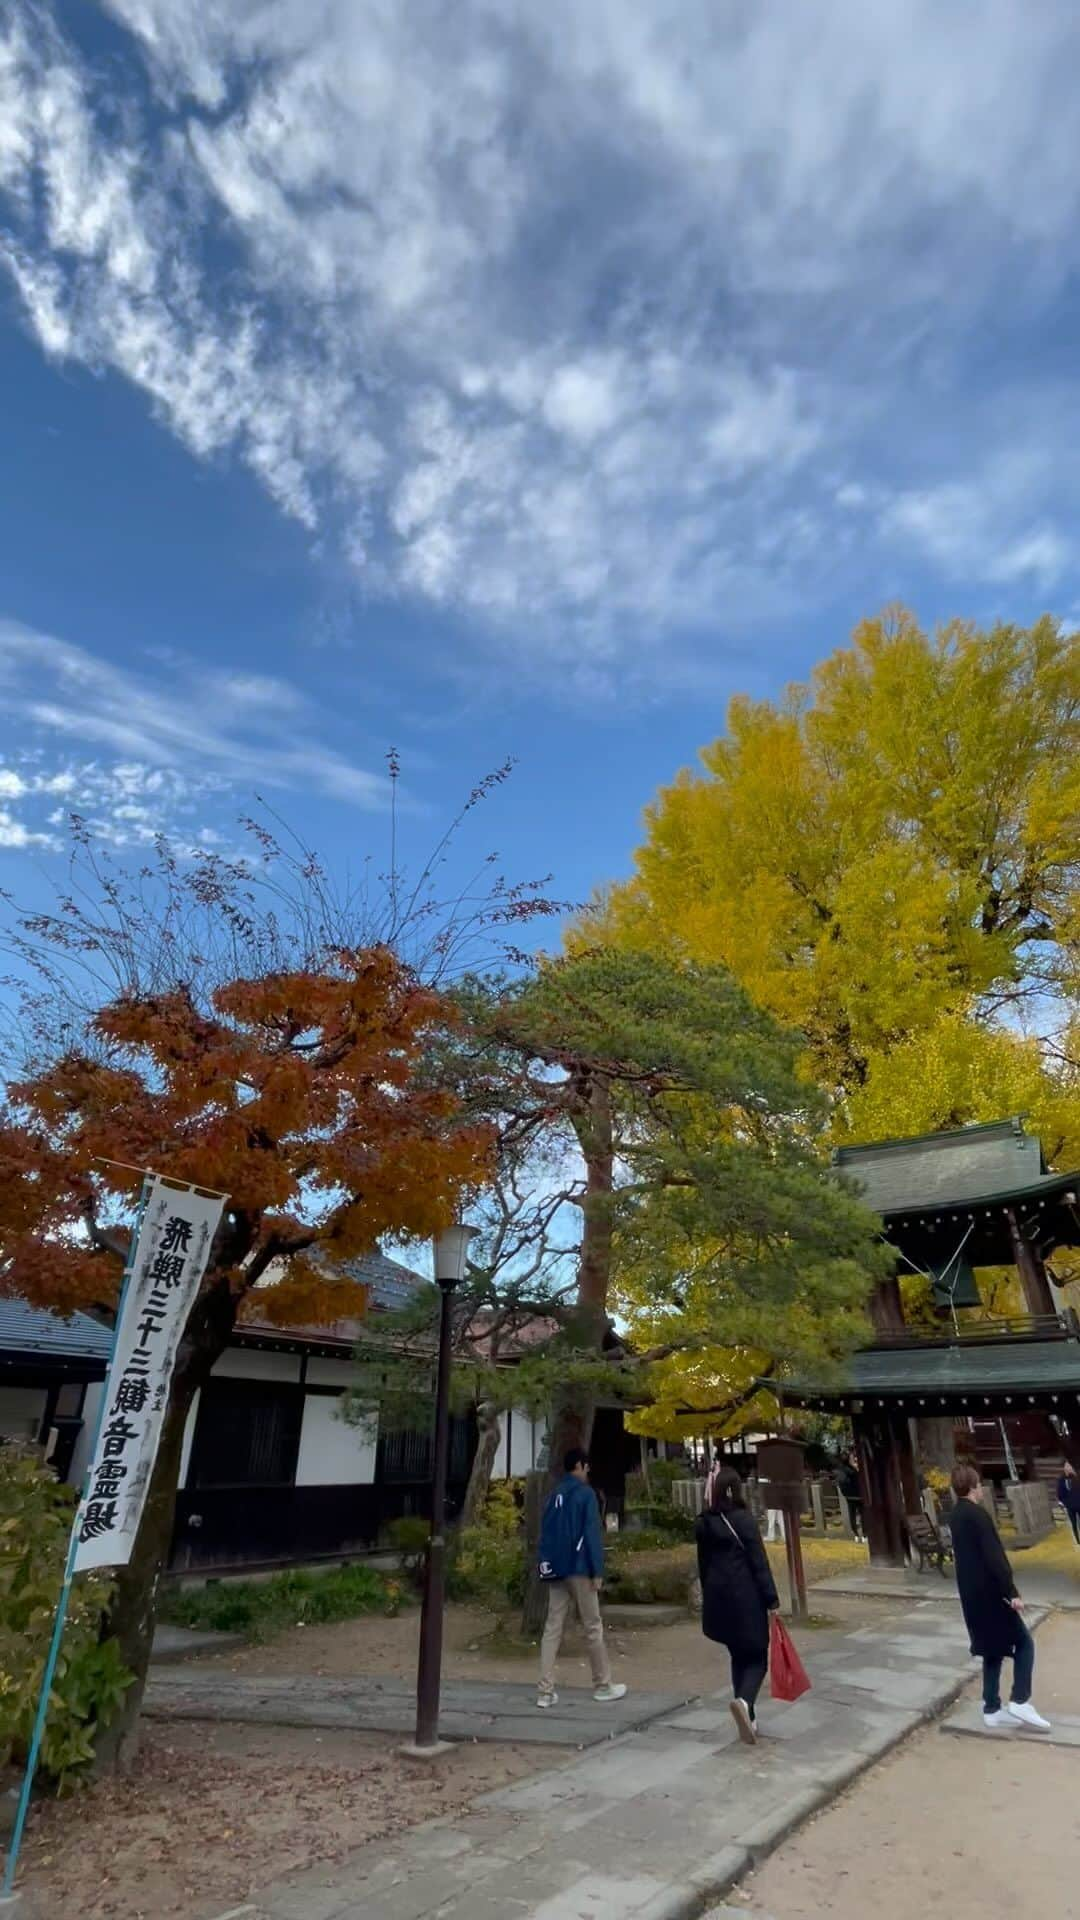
point(1012, 1123)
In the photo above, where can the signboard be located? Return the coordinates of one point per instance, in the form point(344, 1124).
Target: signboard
point(780, 1465)
point(176, 1230)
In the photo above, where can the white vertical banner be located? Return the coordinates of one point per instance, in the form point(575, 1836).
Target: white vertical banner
point(176, 1231)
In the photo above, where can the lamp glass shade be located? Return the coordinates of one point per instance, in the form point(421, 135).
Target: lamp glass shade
point(451, 1250)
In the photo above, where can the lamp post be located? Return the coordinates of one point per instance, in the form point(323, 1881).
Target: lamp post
point(451, 1250)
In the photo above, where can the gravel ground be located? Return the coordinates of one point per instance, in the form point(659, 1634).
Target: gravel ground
point(216, 1812)
point(969, 1828)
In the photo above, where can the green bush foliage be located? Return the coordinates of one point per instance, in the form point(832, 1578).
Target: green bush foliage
point(488, 1561)
point(656, 1489)
point(36, 1513)
point(649, 1577)
point(261, 1608)
point(409, 1537)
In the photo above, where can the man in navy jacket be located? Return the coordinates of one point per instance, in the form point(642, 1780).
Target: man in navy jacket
point(572, 1569)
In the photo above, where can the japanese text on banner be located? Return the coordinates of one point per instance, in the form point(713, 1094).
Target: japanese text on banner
point(175, 1236)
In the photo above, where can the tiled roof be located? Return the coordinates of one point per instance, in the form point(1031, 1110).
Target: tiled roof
point(26, 1329)
point(390, 1284)
point(389, 1287)
point(944, 1169)
point(969, 1366)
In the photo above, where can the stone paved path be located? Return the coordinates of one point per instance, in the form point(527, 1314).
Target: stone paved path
point(968, 1719)
point(470, 1710)
point(1040, 1586)
point(654, 1824)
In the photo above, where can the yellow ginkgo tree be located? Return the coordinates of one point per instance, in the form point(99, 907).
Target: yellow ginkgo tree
point(888, 859)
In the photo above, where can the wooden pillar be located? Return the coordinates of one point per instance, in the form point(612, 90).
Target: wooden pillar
point(886, 1307)
point(879, 1471)
point(1037, 1295)
point(937, 1442)
point(904, 1454)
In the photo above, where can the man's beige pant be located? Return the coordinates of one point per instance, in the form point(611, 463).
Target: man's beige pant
point(587, 1601)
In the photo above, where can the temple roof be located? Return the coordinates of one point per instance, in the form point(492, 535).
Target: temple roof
point(935, 1170)
point(994, 1368)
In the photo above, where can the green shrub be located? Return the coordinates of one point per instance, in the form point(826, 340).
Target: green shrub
point(655, 1488)
point(36, 1514)
point(654, 1517)
point(661, 1577)
point(488, 1561)
point(409, 1537)
point(261, 1608)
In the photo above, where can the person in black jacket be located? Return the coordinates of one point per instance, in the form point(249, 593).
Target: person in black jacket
point(849, 1483)
point(992, 1607)
point(737, 1593)
point(1068, 1493)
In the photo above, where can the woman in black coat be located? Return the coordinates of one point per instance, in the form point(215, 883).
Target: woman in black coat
point(737, 1593)
point(991, 1605)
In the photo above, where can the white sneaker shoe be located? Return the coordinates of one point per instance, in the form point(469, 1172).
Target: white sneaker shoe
point(615, 1690)
point(745, 1722)
point(547, 1699)
point(1028, 1717)
point(1002, 1718)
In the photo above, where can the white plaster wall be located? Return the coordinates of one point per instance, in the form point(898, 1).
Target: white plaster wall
point(22, 1410)
point(331, 1373)
point(526, 1439)
point(241, 1364)
point(189, 1435)
point(332, 1452)
point(80, 1459)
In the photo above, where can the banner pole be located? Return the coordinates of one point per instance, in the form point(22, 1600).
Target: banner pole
point(7, 1893)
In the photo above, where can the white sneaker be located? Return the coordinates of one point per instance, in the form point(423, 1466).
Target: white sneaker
point(1028, 1717)
point(1002, 1718)
point(614, 1690)
point(547, 1699)
point(745, 1722)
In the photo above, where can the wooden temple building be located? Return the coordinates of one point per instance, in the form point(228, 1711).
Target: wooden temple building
point(953, 1204)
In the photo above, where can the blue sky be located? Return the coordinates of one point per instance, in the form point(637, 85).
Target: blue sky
point(501, 379)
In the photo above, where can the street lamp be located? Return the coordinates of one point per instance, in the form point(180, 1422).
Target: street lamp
point(451, 1248)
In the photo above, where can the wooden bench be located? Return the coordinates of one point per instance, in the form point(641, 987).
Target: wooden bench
point(931, 1546)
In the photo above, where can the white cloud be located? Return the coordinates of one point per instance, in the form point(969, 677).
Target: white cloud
point(163, 742)
point(566, 315)
point(997, 530)
point(15, 834)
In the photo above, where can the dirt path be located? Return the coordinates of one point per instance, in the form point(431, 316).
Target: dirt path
point(663, 1659)
point(962, 1827)
point(216, 1812)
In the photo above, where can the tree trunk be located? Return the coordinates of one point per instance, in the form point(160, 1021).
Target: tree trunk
point(534, 1609)
point(130, 1620)
point(572, 1414)
point(593, 1126)
point(487, 1446)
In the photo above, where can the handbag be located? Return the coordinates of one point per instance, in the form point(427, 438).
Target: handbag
point(788, 1678)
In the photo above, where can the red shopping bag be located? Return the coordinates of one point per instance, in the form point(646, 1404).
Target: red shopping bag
point(788, 1678)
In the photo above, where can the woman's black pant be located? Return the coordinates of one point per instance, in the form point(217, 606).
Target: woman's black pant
point(747, 1673)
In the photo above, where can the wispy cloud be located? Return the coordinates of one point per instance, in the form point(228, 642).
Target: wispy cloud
point(163, 742)
point(568, 316)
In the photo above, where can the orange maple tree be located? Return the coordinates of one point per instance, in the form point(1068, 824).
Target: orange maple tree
point(302, 1095)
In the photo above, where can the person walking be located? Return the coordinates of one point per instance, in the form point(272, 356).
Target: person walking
point(572, 1569)
point(849, 1483)
point(991, 1605)
point(1068, 1493)
point(737, 1593)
